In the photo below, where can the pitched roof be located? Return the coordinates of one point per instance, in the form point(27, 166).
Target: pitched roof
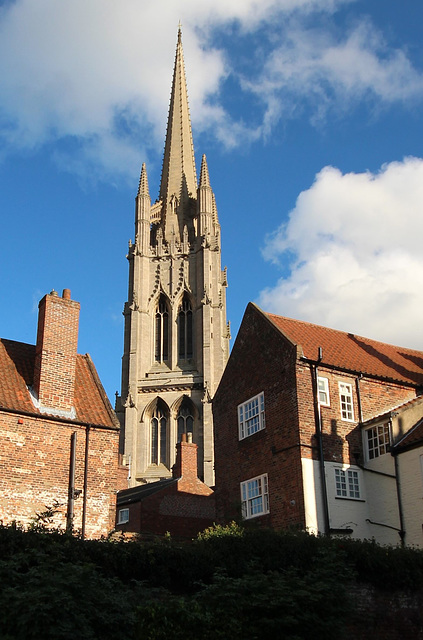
point(393, 411)
point(350, 352)
point(138, 493)
point(413, 437)
point(17, 372)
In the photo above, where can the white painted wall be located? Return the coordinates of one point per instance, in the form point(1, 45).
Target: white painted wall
point(378, 502)
point(410, 464)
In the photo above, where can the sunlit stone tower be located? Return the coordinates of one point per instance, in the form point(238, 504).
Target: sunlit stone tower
point(176, 340)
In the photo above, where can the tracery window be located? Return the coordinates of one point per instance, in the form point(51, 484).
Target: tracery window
point(159, 436)
point(185, 350)
point(185, 420)
point(162, 331)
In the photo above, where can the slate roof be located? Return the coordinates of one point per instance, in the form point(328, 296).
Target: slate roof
point(350, 352)
point(91, 403)
point(138, 493)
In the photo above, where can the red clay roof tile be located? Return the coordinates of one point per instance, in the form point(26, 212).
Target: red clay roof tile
point(353, 353)
point(16, 374)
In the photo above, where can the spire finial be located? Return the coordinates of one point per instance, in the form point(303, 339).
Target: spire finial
point(178, 172)
point(143, 185)
point(204, 173)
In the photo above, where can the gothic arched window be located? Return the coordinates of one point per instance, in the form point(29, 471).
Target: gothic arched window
point(185, 420)
point(162, 331)
point(159, 437)
point(185, 330)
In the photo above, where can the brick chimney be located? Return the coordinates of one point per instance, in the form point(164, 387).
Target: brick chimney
point(185, 468)
point(186, 458)
point(55, 354)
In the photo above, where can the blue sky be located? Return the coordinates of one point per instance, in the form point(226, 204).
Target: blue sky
point(309, 112)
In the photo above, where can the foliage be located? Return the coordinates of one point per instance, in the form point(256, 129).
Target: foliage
point(44, 520)
point(232, 529)
point(290, 605)
point(230, 582)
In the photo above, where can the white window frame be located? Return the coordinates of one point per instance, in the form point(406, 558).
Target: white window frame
point(347, 483)
point(123, 516)
point(325, 390)
point(255, 497)
point(377, 440)
point(347, 405)
point(251, 416)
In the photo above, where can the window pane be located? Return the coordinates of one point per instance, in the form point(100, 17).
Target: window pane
point(251, 416)
point(165, 336)
point(189, 335)
point(182, 334)
point(163, 440)
point(254, 497)
point(154, 440)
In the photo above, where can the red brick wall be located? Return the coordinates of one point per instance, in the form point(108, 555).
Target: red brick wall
point(181, 514)
point(262, 360)
point(185, 469)
point(265, 364)
point(34, 459)
point(55, 359)
point(341, 438)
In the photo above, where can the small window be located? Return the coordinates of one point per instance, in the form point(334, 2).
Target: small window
point(346, 400)
point(323, 388)
point(377, 440)
point(347, 483)
point(123, 516)
point(255, 497)
point(251, 416)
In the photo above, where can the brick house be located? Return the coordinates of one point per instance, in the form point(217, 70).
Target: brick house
point(59, 434)
point(182, 505)
point(309, 424)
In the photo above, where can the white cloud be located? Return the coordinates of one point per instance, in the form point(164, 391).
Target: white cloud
point(98, 72)
point(356, 259)
point(334, 71)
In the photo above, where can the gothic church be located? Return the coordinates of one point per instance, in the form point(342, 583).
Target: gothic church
point(176, 340)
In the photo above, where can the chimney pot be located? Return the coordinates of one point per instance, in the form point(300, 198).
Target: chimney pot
point(66, 295)
point(189, 437)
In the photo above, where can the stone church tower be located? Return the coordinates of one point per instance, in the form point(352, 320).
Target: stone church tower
point(176, 342)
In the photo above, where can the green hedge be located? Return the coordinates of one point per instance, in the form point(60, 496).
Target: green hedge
point(229, 583)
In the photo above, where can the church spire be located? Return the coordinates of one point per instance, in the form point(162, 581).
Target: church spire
point(143, 184)
point(178, 174)
point(142, 214)
point(204, 173)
